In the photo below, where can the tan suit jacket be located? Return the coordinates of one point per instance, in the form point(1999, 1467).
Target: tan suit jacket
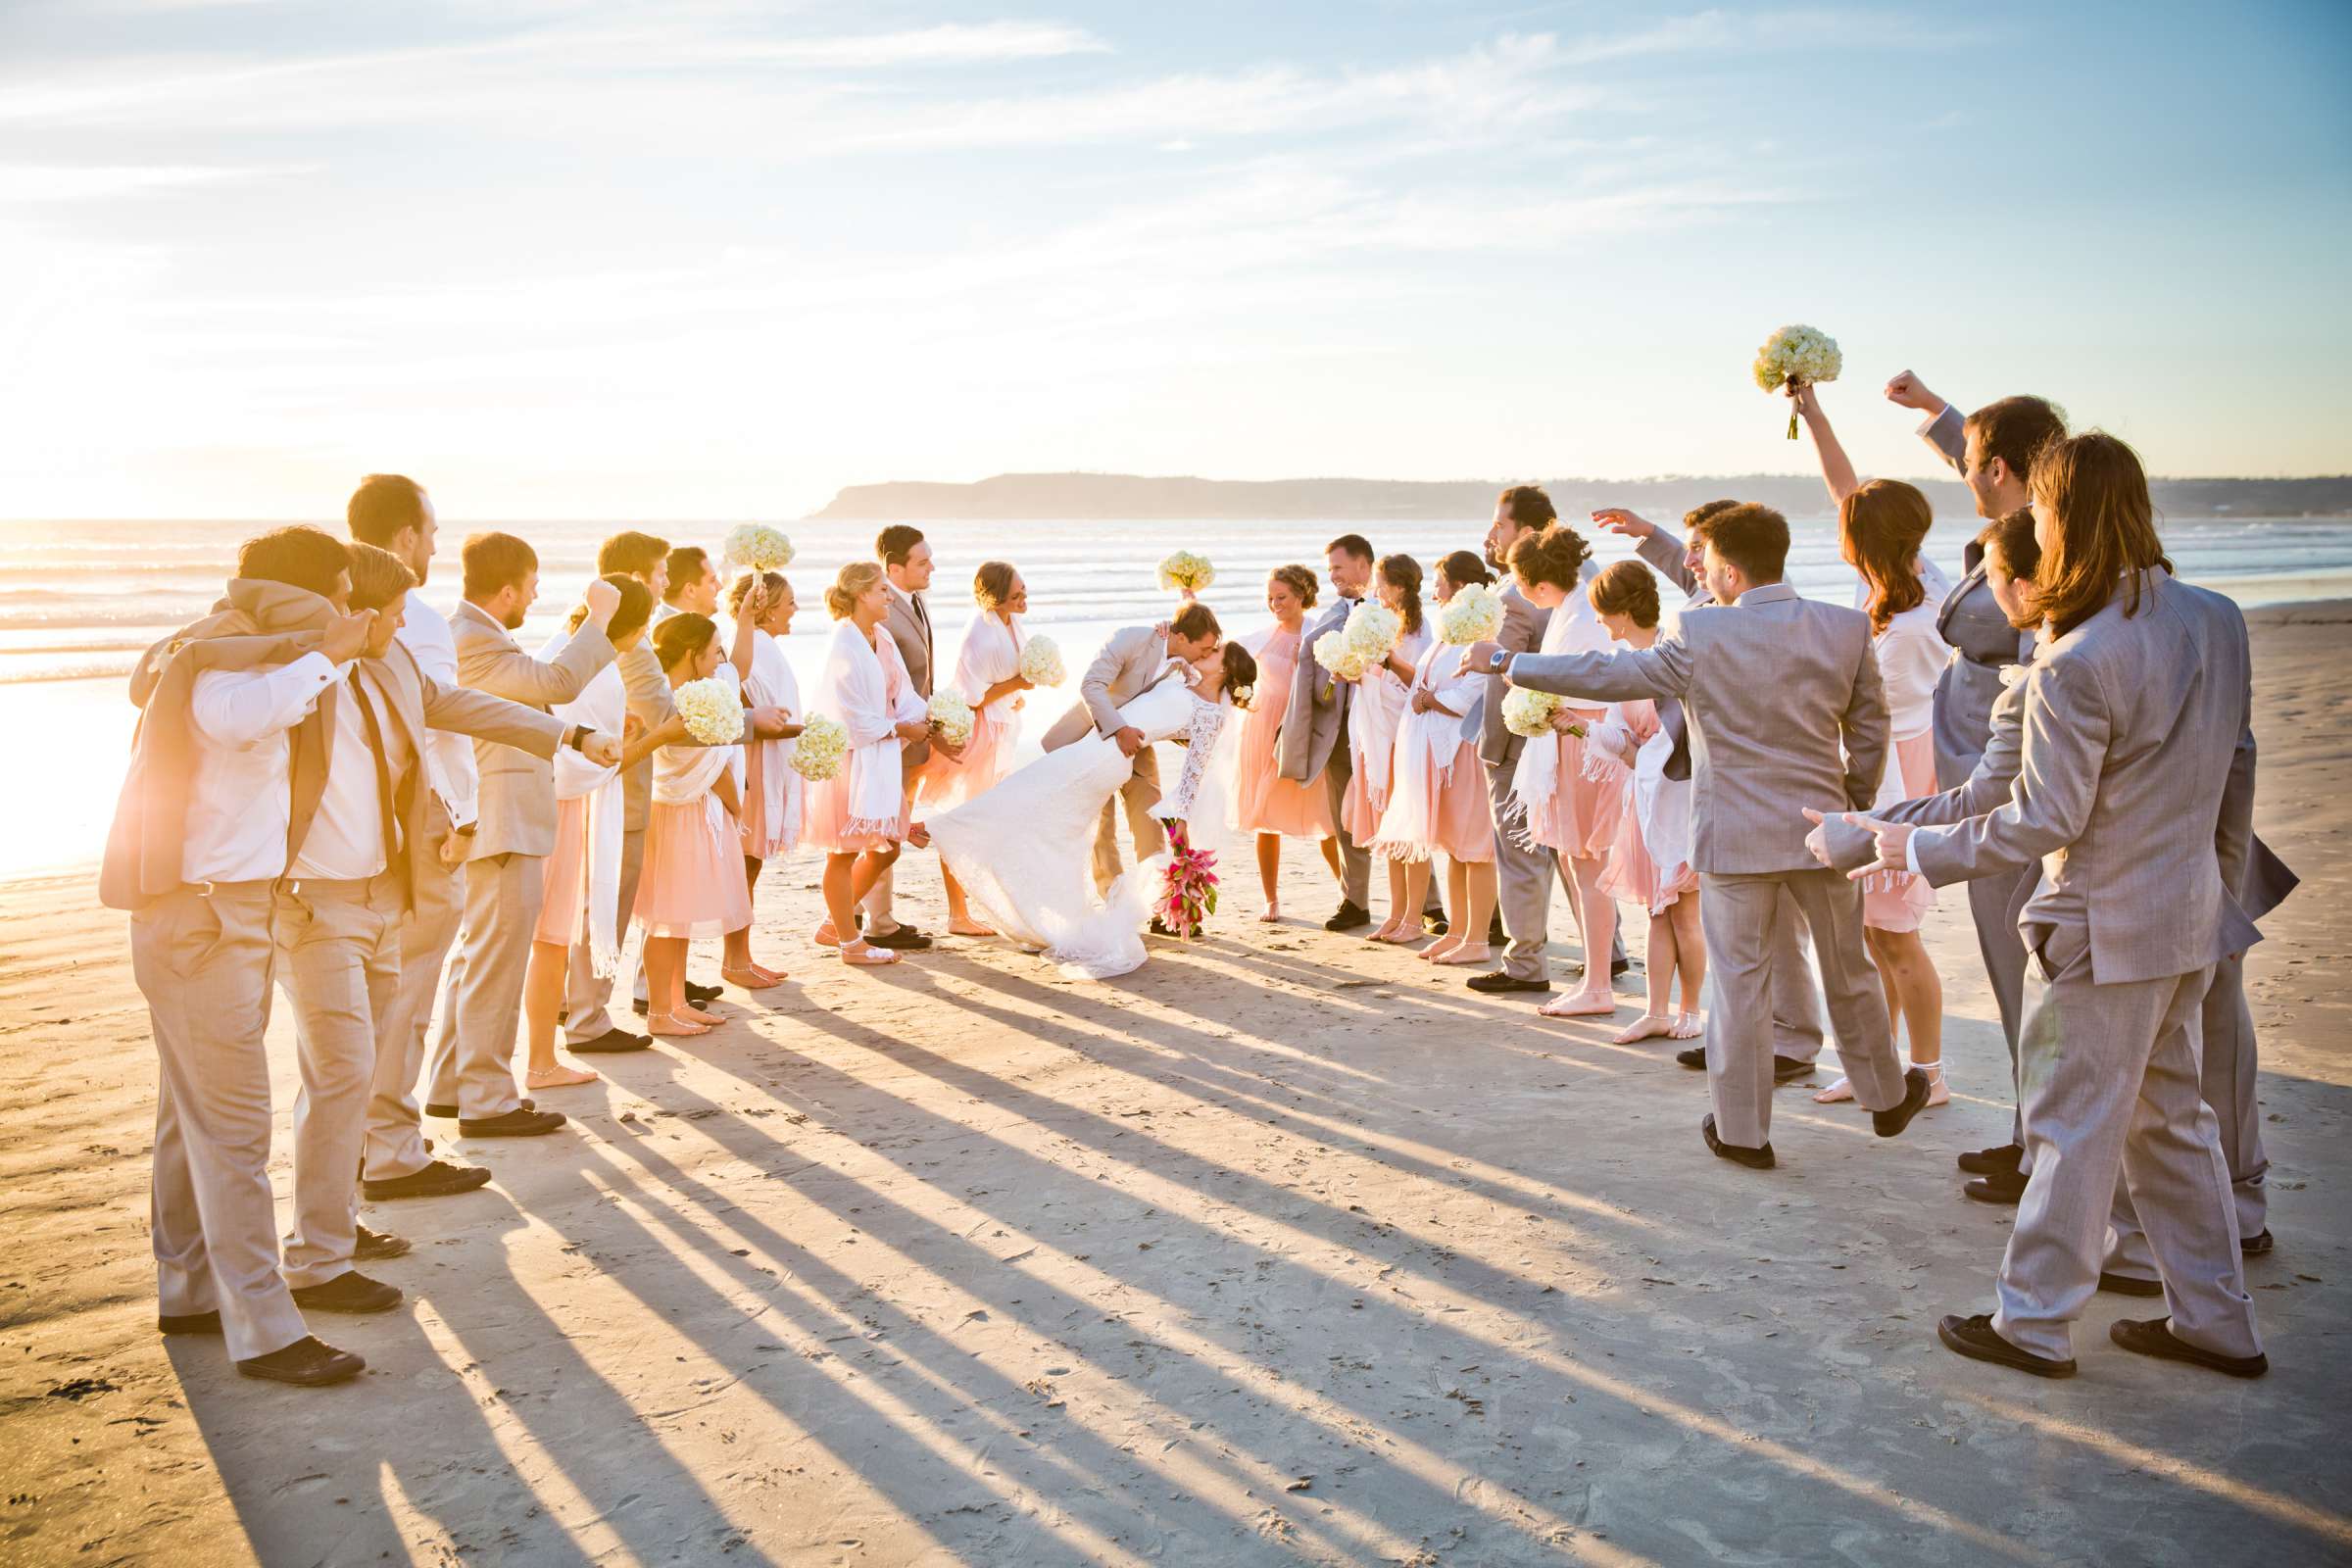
point(1122, 671)
point(518, 805)
point(913, 634)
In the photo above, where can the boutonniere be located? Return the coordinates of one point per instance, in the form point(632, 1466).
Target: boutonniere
point(2012, 675)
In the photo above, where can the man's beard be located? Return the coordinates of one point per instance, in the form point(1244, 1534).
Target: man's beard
point(513, 620)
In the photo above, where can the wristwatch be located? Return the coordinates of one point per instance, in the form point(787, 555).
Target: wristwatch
point(576, 738)
point(1498, 660)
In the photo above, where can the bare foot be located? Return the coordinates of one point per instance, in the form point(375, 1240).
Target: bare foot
point(1581, 1005)
point(1272, 917)
point(558, 1077)
point(663, 1023)
point(1841, 1090)
point(864, 954)
point(825, 935)
point(752, 978)
point(1467, 952)
point(1647, 1027)
point(1689, 1026)
point(969, 928)
point(690, 1013)
point(1435, 952)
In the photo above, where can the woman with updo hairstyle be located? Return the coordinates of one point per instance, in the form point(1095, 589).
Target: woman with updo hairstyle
point(858, 816)
point(1648, 816)
point(1375, 713)
point(1264, 802)
point(1438, 803)
point(763, 605)
point(692, 886)
point(580, 877)
point(988, 672)
point(1568, 810)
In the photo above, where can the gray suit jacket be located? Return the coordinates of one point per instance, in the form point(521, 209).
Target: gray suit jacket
point(1523, 626)
point(913, 634)
point(1771, 685)
point(1122, 671)
point(1314, 717)
point(1972, 620)
point(2134, 787)
point(518, 807)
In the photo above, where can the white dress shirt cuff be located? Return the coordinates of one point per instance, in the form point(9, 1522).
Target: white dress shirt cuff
point(1911, 855)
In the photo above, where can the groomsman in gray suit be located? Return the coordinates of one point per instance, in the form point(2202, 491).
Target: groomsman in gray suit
point(1992, 451)
point(2135, 795)
point(1130, 663)
point(472, 1071)
point(1796, 1007)
point(1786, 711)
point(906, 565)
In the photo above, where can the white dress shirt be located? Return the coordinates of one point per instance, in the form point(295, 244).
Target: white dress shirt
point(449, 765)
point(345, 839)
point(240, 800)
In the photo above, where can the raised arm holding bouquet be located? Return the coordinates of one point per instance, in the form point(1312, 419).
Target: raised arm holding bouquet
point(1795, 358)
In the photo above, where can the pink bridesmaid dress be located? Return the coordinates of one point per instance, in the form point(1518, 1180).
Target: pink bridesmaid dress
point(1265, 802)
point(1630, 873)
point(1438, 802)
point(692, 884)
point(1912, 654)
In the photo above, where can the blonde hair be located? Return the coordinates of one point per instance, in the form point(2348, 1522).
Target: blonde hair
point(850, 586)
point(1625, 588)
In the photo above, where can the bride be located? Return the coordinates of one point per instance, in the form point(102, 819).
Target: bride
point(1023, 850)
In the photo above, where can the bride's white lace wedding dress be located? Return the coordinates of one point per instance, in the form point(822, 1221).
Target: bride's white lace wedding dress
point(1024, 850)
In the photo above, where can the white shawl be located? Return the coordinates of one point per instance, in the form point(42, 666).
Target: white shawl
point(771, 684)
point(603, 705)
point(1442, 733)
point(857, 687)
point(1374, 714)
point(1568, 631)
point(991, 653)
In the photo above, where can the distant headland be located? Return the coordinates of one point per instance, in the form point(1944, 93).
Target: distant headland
point(1079, 497)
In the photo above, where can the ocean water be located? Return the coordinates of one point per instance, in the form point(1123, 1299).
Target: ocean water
point(79, 601)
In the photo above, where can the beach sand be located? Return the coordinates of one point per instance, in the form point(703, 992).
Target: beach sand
point(1284, 1248)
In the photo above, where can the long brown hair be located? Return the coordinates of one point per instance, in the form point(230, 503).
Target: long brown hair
point(2104, 528)
point(1403, 573)
point(1880, 528)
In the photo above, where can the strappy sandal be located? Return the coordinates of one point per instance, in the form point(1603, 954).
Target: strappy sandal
point(1649, 1026)
point(557, 1077)
point(669, 1023)
point(1940, 1093)
point(864, 954)
point(1581, 1005)
point(752, 979)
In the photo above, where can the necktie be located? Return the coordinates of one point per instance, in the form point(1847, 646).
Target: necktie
point(383, 778)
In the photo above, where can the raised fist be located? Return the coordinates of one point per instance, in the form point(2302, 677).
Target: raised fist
point(602, 599)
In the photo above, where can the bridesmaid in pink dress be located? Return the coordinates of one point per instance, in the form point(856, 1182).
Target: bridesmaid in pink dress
point(1438, 800)
point(1265, 802)
point(1376, 717)
point(692, 883)
point(1620, 752)
point(988, 672)
point(1882, 528)
point(762, 606)
point(858, 816)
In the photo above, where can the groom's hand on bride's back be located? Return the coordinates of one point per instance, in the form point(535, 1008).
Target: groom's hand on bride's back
point(1130, 740)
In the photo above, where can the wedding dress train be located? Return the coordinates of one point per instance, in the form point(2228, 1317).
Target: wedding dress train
point(1023, 851)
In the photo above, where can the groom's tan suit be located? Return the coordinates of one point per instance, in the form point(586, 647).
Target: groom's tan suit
point(1128, 665)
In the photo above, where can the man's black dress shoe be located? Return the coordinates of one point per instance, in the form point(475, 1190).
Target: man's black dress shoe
point(1496, 983)
point(2154, 1337)
point(612, 1042)
point(1696, 1059)
point(1434, 924)
point(1974, 1338)
point(1620, 966)
point(439, 1179)
point(309, 1364)
point(2256, 1245)
point(903, 939)
point(1753, 1158)
point(449, 1113)
point(2002, 1192)
point(1997, 1160)
point(520, 1123)
point(187, 1323)
point(1785, 1069)
point(1159, 927)
point(697, 992)
point(2126, 1285)
point(1350, 915)
point(1496, 936)
point(1916, 1089)
point(373, 1246)
point(348, 1292)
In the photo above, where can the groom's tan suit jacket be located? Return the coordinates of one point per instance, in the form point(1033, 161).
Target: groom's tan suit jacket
point(1126, 667)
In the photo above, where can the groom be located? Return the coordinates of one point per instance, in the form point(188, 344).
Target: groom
point(1130, 665)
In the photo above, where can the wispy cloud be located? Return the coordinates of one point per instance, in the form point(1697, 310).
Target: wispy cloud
point(66, 182)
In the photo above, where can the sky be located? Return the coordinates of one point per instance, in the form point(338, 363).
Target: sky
point(708, 259)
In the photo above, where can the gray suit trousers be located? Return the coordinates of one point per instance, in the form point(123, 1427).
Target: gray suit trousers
point(2226, 1076)
point(1743, 918)
point(2109, 1075)
point(395, 1119)
point(338, 959)
point(587, 995)
point(204, 965)
point(1355, 862)
point(1795, 1003)
point(473, 1054)
point(1524, 878)
point(1993, 903)
point(1138, 796)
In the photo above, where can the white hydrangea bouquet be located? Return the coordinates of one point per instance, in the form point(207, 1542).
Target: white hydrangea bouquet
point(713, 710)
point(756, 547)
point(1185, 570)
point(823, 744)
point(1363, 644)
point(952, 717)
point(1474, 615)
point(1529, 713)
point(1041, 662)
point(1797, 355)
